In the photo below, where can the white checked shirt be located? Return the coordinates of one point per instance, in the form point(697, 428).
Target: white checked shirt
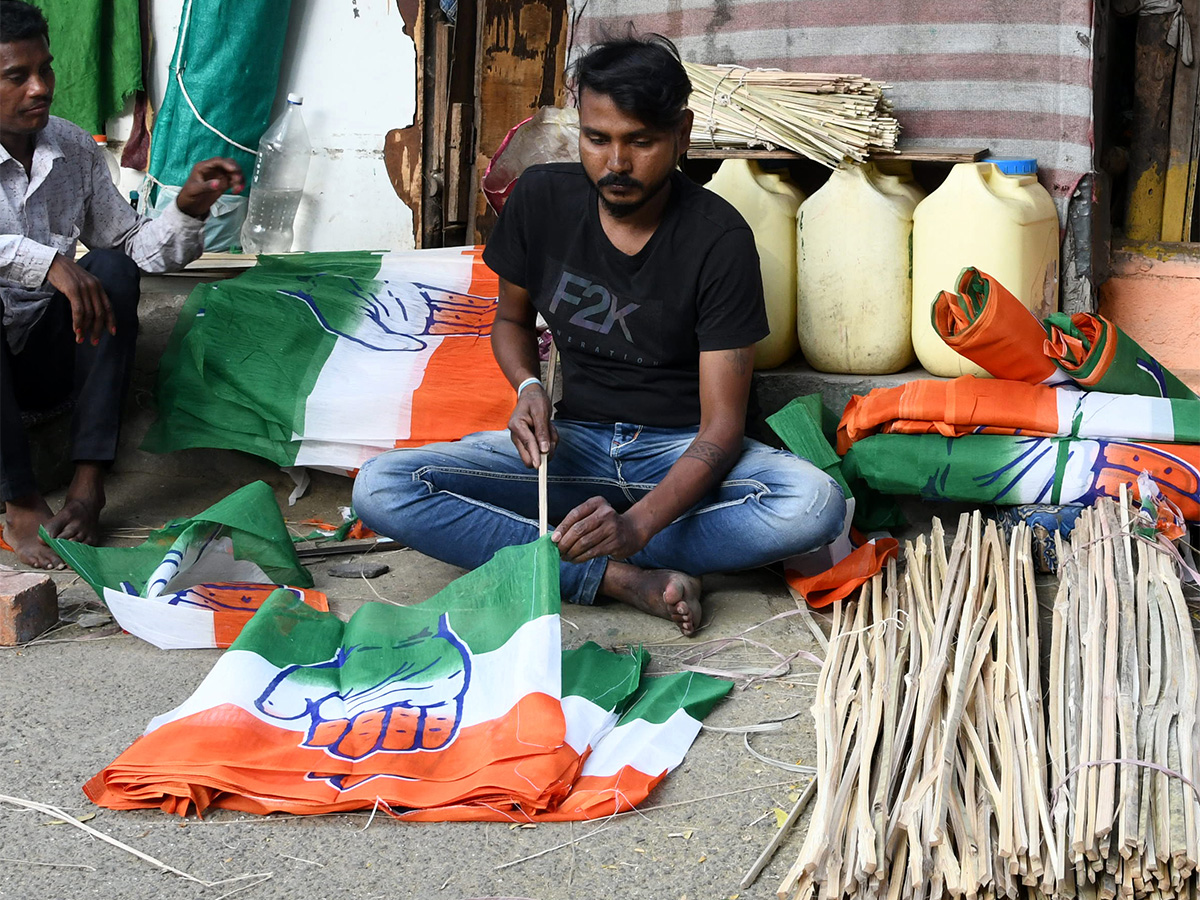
point(68, 196)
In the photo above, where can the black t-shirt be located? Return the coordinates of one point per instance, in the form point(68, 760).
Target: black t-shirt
point(630, 329)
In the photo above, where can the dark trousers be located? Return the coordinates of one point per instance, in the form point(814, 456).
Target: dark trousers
point(51, 368)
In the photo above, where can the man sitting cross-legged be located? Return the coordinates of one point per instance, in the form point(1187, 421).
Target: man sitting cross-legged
point(651, 288)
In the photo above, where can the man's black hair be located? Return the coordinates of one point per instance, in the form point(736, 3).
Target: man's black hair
point(21, 21)
point(643, 76)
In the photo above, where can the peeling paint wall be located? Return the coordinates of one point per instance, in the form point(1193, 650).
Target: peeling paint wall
point(1154, 297)
point(356, 70)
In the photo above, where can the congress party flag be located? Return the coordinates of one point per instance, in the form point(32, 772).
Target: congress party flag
point(1014, 470)
point(196, 581)
point(328, 359)
point(970, 405)
point(463, 706)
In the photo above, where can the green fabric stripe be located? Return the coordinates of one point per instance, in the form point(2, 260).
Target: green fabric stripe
point(250, 518)
point(934, 467)
point(800, 427)
point(485, 609)
point(1133, 370)
point(606, 679)
point(660, 698)
point(244, 357)
point(1186, 417)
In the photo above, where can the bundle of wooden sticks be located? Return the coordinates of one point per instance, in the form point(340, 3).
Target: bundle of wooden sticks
point(956, 759)
point(829, 118)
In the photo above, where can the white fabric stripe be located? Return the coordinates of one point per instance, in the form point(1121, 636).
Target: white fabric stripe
point(881, 40)
point(1118, 416)
point(648, 747)
point(587, 723)
point(1002, 96)
point(357, 381)
point(525, 664)
point(343, 406)
point(166, 627)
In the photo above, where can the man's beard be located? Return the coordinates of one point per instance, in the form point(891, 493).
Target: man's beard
point(621, 210)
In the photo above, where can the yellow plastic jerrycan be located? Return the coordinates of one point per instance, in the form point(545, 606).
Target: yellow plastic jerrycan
point(768, 204)
point(854, 246)
point(992, 215)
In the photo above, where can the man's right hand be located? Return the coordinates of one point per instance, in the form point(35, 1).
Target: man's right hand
point(91, 313)
point(532, 432)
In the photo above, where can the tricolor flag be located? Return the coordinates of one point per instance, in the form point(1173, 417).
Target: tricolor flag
point(328, 359)
point(460, 707)
point(970, 405)
point(196, 582)
point(1012, 470)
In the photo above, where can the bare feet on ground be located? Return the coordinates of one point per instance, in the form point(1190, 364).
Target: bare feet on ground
point(22, 517)
point(660, 592)
point(79, 518)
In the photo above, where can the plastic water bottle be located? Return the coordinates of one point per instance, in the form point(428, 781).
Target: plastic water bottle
point(278, 184)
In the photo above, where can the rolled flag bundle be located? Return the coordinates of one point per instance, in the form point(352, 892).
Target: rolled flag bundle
point(1099, 356)
point(196, 582)
point(969, 405)
point(985, 323)
point(1013, 470)
point(461, 707)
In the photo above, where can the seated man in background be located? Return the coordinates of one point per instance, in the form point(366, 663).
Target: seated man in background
point(70, 328)
point(651, 288)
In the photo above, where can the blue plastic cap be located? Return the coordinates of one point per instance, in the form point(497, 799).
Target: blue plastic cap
point(1012, 165)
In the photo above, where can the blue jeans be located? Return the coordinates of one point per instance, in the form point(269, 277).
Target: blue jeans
point(460, 502)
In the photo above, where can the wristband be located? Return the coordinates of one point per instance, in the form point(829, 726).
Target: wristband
point(526, 383)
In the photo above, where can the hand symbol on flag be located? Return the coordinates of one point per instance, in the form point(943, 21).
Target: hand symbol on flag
point(397, 315)
point(400, 698)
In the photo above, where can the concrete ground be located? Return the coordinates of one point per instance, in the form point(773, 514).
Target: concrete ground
point(76, 698)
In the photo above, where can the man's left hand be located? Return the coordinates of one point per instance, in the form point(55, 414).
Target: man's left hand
point(593, 529)
point(208, 181)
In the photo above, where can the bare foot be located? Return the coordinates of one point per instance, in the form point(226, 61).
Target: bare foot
point(23, 516)
point(79, 518)
point(661, 592)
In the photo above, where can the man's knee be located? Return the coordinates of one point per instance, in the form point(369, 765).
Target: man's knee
point(815, 509)
point(380, 488)
point(121, 279)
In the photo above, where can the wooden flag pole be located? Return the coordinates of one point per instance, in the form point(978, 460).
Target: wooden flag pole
point(543, 485)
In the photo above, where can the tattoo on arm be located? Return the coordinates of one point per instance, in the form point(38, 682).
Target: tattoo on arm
point(740, 359)
point(708, 453)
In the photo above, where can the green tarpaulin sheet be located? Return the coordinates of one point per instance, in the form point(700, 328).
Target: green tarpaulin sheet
point(227, 57)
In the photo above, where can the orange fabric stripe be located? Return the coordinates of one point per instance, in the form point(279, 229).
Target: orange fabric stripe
point(952, 408)
point(845, 577)
point(592, 797)
point(228, 623)
point(228, 758)
point(1095, 329)
point(1006, 340)
point(463, 389)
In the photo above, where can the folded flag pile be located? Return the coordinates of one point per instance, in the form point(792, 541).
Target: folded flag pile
point(328, 359)
point(1010, 471)
point(196, 582)
point(1076, 409)
point(462, 707)
point(970, 405)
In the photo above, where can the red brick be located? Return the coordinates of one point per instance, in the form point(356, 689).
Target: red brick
point(28, 606)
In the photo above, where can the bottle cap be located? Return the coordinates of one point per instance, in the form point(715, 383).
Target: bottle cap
point(296, 99)
point(1011, 165)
